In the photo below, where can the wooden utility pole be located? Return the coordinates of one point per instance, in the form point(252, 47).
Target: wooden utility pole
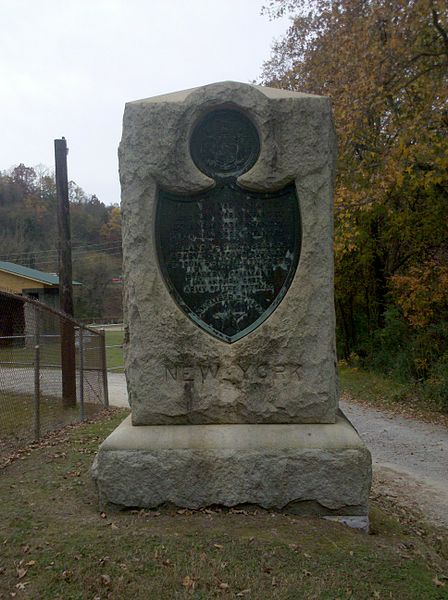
point(68, 356)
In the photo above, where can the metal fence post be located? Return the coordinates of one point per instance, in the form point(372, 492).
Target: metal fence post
point(81, 374)
point(36, 404)
point(104, 367)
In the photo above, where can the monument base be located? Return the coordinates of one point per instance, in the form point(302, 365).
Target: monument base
point(321, 469)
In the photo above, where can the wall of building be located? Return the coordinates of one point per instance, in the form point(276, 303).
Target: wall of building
point(15, 284)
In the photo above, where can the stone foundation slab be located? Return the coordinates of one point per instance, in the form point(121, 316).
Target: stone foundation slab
point(322, 469)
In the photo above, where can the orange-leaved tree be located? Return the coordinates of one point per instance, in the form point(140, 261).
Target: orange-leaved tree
point(384, 64)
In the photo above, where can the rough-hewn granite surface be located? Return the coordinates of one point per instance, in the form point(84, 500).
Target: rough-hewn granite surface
point(284, 371)
point(303, 468)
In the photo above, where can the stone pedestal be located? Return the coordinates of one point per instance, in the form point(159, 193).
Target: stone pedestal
point(229, 313)
point(303, 469)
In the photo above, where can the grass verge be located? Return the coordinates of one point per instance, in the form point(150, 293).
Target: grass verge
point(380, 391)
point(57, 545)
point(17, 418)
point(114, 355)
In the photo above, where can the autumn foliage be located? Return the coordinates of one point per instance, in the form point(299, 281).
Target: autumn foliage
point(29, 236)
point(384, 63)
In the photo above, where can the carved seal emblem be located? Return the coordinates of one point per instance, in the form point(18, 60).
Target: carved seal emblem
point(228, 255)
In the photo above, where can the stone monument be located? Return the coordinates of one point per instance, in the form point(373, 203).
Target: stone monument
point(229, 313)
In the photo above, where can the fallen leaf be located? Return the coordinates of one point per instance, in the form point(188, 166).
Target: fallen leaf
point(21, 573)
point(438, 583)
point(243, 593)
point(223, 586)
point(21, 586)
point(294, 547)
point(188, 582)
point(105, 580)
point(218, 546)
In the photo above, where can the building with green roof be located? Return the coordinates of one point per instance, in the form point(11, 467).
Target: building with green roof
point(33, 283)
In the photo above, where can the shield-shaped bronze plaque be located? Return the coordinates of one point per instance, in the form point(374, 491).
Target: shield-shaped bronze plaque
point(228, 255)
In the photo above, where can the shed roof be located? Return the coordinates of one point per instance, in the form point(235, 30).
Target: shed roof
point(33, 274)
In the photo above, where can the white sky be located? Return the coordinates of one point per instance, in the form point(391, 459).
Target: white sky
point(67, 67)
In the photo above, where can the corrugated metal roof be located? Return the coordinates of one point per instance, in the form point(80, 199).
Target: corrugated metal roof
point(34, 274)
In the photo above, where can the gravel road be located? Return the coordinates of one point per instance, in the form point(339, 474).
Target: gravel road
point(410, 458)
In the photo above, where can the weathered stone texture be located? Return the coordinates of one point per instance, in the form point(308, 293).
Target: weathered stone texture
point(300, 468)
point(249, 422)
point(284, 371)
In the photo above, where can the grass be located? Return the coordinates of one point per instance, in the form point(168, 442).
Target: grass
point(16, 356)
point(55, 544)
point(381, 391)
point(50, 354)
point(17, 417)
point(114, 356)
point(370, 387)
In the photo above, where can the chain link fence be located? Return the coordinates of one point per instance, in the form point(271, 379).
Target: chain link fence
point(52, 371)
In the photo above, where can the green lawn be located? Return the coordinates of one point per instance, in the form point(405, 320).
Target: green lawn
point(57, 545)
point(380, 391)
point(17, 418)
point(50, 351)
point(114, 355)
point(22, 356)
point(51, 354)
point(370, 387)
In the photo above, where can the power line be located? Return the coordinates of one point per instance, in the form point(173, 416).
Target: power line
point(81, 255)
point(84, 255)
point(54, 253)
point(73, 248)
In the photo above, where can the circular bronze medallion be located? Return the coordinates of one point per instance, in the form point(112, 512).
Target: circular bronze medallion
point(224, 144)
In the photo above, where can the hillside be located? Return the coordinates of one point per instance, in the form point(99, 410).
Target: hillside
point(29, 236)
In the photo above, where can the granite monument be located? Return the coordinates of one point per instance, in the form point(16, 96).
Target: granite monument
point(229, 309)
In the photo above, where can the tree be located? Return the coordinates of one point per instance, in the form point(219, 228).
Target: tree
point(30, 237)
point(96, 272)
point(111, 231)
point(384, 64)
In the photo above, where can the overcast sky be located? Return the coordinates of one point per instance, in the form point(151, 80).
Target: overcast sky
point(67, 67)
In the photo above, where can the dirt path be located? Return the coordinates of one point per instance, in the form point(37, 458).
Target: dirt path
point(410, 458)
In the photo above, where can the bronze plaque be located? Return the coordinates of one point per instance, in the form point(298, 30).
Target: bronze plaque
point(228, 255)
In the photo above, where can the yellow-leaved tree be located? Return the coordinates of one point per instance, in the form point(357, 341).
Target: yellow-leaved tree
point(384, 64)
